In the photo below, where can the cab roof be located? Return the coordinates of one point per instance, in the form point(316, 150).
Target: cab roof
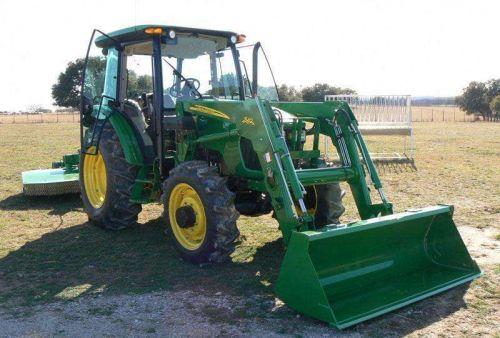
point(138, 33)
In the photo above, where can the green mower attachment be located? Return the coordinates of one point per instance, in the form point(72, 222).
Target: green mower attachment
point(344, 276)
point(61, 179)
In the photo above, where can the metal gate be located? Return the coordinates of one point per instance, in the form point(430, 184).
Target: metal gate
point(384, 115)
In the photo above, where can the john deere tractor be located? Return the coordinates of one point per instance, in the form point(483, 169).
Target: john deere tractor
point(212, 141)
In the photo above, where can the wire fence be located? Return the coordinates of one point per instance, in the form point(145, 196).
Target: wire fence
point(384, 115)
point(419, 114)
point(73, 117)
point(440, 114)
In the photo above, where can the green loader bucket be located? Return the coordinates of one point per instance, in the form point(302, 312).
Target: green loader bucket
point(347, 275)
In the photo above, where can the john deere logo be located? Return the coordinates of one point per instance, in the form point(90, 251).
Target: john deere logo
point(208, 111)
point(248, 120)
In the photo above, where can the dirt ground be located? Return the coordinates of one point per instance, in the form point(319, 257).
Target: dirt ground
point(60, 276)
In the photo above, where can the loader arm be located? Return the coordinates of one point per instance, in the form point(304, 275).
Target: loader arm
point(256, 121)
point(338, 122)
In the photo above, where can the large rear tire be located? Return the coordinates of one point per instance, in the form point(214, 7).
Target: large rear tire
point(199, 212)
point(106, 181)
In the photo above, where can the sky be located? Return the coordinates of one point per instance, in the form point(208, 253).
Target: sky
point(419, 47)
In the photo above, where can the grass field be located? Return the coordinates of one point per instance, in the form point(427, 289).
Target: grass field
point(50, 254)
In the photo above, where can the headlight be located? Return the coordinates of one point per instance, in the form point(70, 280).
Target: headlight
point(171, 34)
point(234, 39)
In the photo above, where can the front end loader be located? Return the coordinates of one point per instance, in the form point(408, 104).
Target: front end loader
point(211, 141)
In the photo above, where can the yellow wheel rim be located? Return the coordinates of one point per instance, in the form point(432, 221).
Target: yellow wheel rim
point(184, 195)
point(94, 178)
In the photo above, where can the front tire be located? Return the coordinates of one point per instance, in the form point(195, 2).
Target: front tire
point(329, 205)
point(106, 181)
point(199, 212)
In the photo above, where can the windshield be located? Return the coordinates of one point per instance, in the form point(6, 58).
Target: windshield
point(194, 67)
point(212, 74)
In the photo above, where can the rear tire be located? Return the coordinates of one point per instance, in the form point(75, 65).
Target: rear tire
point(114, 211)
point(208, 233)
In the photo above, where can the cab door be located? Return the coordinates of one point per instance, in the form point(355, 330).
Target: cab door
point(99, 89)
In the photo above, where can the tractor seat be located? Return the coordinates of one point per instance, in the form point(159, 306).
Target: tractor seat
point(168, 101)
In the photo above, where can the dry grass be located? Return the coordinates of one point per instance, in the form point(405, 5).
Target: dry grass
point(49, 252)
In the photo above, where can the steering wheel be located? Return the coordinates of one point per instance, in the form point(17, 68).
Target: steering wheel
point(192, 85)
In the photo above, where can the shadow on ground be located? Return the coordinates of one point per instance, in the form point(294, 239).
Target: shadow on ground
point(83, 259)
point(58, 205)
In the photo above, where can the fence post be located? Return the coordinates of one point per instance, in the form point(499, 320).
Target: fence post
point(443, 115)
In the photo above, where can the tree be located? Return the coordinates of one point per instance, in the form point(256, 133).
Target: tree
point(477, 96)
point(66, 91)
point(289, 93)
point(493, 89)
point(317, 92)
point(145, 83)
point(138, 84)
point(473, 99)
point(495, 107)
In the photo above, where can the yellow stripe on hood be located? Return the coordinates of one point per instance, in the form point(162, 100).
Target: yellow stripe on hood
point(208, 111)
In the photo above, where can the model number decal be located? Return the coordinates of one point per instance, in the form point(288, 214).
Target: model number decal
point(248, 120)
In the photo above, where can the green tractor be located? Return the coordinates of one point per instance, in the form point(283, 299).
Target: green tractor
point(212, 142)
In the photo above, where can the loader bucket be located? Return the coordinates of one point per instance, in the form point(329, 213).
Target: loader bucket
point(347, 275)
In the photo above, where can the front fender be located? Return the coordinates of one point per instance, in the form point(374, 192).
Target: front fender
point(128, 139)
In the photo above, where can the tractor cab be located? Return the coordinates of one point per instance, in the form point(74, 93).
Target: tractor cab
point(146, 69)
point(168, 64)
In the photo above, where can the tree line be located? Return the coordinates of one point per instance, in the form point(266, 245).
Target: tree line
point(314, 93)
point(66, 91)
point(478, 98)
